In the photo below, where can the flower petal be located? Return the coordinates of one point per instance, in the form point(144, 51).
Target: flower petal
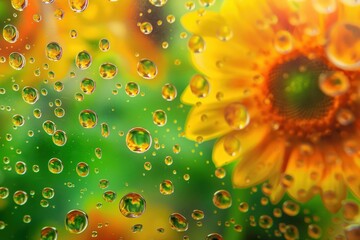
point(257, 167)
point(248, 139)
point(278, 190)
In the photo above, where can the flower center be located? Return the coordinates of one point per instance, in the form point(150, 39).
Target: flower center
point(294, 89)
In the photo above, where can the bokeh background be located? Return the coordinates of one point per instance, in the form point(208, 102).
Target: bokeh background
point(195, 178)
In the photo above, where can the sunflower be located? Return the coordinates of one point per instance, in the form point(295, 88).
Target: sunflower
point(279, 88)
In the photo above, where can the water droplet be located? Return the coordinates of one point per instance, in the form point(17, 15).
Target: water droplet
point(27, 219)
point(146, 27)
point(222, 199)
point(147, 166)
point(37, 17)
point(132, 89)
point(314, 231)
point(324, 6)
point(166, 187)
point(104, 45)
point(169, 92)
point(83, 60)
point(20, 168)
point(59, 138)
point(147, 69)
point(224, 33)
point(109, 196)
point(48, 193)
point(108, 70)
point(196, 44)
point(132, 205)
point(44, 203)
point(178, 222)
point(78, 5)
point(103, 183)
point(137, 228)
point(53, 51)
point(59, 112)
point(18, 120)
point(236, 115)
point(334, 84)
point(207, 3)
point(55, 166)
point(88, 85)
point(73, 33)
point(170, 18)
point(30, 95)
point(82, 169)
point(197, 215)
point(345, 117)
point(17, 60)
point(291, 208)
point(232, 145)
point(20, 197)
point(10, 33)
point(214, 236)
point(283, 42)
point(4, 192)
point(76, 221)
point(159, 118)
point(48, 233)
point(138, 140)
point(19, 5)
point(291, 232)
point(199, 86)
point(341, 47)
point(220, 173)
point(350, 210)
point(265, 221)
point(49, 127)
point(59, 14)
point(158, 3)
point(88, 118)
point(105, 130)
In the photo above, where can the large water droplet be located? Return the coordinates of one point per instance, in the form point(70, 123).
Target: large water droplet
point(59, 138)
point(55, 166)
point(83, 60)
point(132, 205)
point(17, 60)
point(196, 44)
point(30, 95)
point(53, 51)
point(334, 84)
point(159, 118)
point(138, 140)
point(147, 69)
point(236, 115)
point(76, 221)
point(88, 85)
point(10, 33)
point(222, 199)
point(169, 92)
point(48, 233)
point(178, 222)
point(199, 86)
point(166, 187)
point(108, 70)
point(88, 118)
point(20, 197)
point(19, 5)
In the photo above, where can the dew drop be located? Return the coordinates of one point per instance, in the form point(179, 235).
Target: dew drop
point(105, 130)
point(18, 120)
point(132, 205)
point(314, 231)
point(49, 127)
point(20, 197)
point(104, 45)
point(88, 118)
point(10, 33)
point(109, 196)
point(88, 86)
point(20, 168)
point(83, 60)
point(345, 117)
point(17, 60)
point(158, 3)
point(4, 192)
point(291, 208)
point(48, 193)
point(59, 138)
point(48, 233)
point(146, 28)
point(159, 118)
point(19, 5)
point(222, 199)
point(53, 51)
point(220, 173)
point(55, 166)
point(138, 140)
point(132, 89)
point(147, 69)
point(291, 232)
point(178, 222)
point(283, 42)
point(232, 145)
point(78, 5)
point(196, 44)
point(108, 71)
point(30, 95)
point(199, 86)
point(197, 215)
point(82, 169)
point(169, 92)
point(236, 115)
point(265, 221)
point(214, 236)
point(76, 221)
point(334, 84)
point(166, 187)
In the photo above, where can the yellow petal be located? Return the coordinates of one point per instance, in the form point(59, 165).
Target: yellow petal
point(248, 139)
point(257, 167)
point(305, 166)
point(206, 121)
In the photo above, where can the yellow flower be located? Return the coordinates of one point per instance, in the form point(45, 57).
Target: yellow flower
point(280, 89)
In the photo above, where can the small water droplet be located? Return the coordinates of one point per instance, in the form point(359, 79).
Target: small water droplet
point(178, 222)
point(82, 169)
point(59, 138)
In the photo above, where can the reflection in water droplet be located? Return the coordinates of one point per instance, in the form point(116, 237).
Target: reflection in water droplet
point(30, 95)
point(138, 140)
point(17, 60)
point(53, 51)
point(82, 169)
point(236, 115)
point(108, 70)
point(146, 27)
point(220, 173)
point(132, 89)
point(314, 231)
point(147, 69)
point(19, 5)
point(291, 208)
point(59, 138)
point(334, 84)
point(20, 168)
point(48, 233)
point(265, 221)
point(103, 183)
point(88, 118)
point(158, 3)
point(55, 166)
point(109, 196)
point(291, 232)
point(178, 222)
point(137, 228)
point(199, 86)
point(222, 199)
point(10, 33)
point(48, 193)
point(169, 92)
point(83, 60)
point(18, 120)
point(49, 127)
point(87, 85)
point(166, 187)
point(345, 117)
point(283, 42)
point(20, 197)
point(104, 45)
point(132, 205)
point(4, 192)
point(159, 118)
point(197, 215)
point(78, 5)
point(214, 236)
point(196, 44)
point(232, 145)
point(76, 221)
point(105, 130)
